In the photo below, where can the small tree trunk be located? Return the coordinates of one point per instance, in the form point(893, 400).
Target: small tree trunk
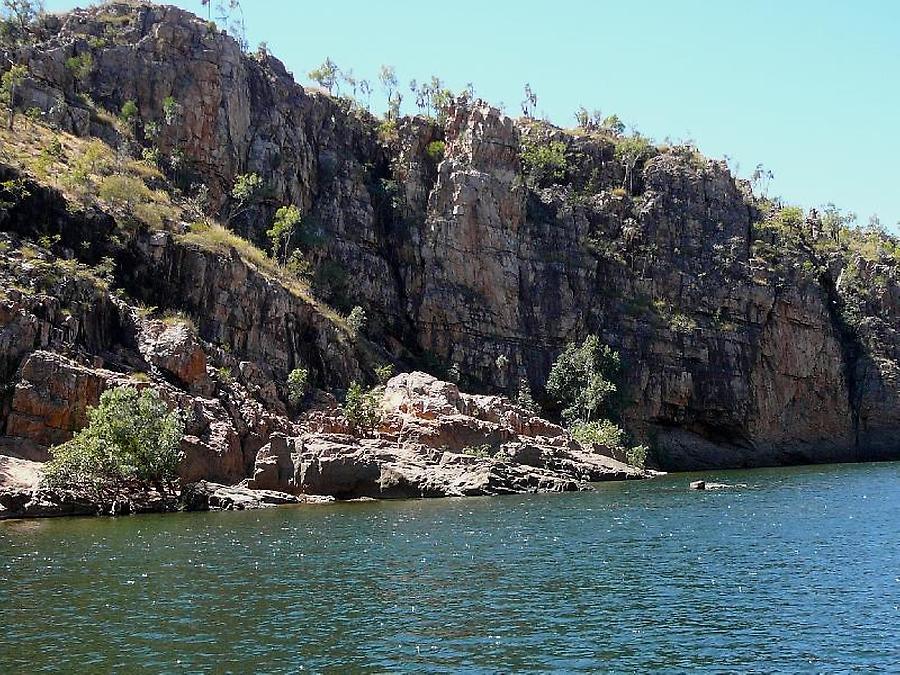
point(12, 105)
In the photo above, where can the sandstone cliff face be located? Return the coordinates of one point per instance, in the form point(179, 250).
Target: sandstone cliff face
point(732, 358)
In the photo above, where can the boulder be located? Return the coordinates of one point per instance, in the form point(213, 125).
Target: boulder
point(206, 496)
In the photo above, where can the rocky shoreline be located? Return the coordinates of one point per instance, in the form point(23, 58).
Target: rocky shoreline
point(431, 441)
point(750, 334)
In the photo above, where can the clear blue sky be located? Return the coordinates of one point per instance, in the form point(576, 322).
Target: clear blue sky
point(806, 87)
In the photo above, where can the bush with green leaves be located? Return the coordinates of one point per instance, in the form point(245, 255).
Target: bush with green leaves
point(357, 319)
point(326, 75)
point(545, 162)
point(247, 187)
point(298, 266)
point(601, 432)
point(247, 190)
point(384, 373)
point(12, 192)
point(435, 150)
point(582, 380)
point(297, 381)
point(631, 151)
point(525, 400)
point(637, 455)
point(140, 204)
point(171, 110)
point(287, 220)
point(362, 407)
point(611, 436)
point(10, 81)
point(129, 111)
point(80, 66)
point(483, 451)
point(131, 442)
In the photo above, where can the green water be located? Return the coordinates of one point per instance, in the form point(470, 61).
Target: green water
point(799, 570)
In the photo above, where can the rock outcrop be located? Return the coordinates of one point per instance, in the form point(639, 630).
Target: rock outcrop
point(743, 345)
point(433, 441)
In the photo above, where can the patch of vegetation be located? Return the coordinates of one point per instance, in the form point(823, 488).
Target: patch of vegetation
point(178, 318)
point(12, 192)
point(80, 66)
point(525, 400)
point(357, 319)
point(611, 436)
point(582, 380)
point(129, 112)
point(287, 221)
point(632, 151)
point(140, 204)
point(484, 451)
point(605, 248)
point(387, 132)
point(131, 441)
point(362, 407)
point(671, 317)
point(384, 373)
point(435, 150)
point(637, 455)
point(602, 432)
point(544, 163)
point(10, 81)
point(105, 271)
point(296, 385)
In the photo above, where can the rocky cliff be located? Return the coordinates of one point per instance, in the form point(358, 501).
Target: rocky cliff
point(747, 340)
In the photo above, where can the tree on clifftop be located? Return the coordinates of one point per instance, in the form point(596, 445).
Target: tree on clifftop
point(17, 18)
point(326, 75)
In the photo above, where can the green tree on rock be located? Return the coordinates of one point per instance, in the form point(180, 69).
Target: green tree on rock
point(287, 219)
point(326, 75)
point(131, 442)
point(11, 80)
point(17, 20)
point(582, 380)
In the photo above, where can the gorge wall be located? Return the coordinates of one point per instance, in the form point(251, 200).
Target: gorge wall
point(736, 341)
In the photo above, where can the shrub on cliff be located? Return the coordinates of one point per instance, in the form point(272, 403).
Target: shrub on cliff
point(581, 380)
point(435, 150)
point(612, 436)
point(602, 432)
point(362, 407)
point(631, 151)
point(525, 400)
point(10, 81)
point(287, 220)
point(131, 441)
point(296, 384)
point(545, 163)
point(357, 319)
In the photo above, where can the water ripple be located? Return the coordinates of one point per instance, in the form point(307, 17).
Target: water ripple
point(797, 571)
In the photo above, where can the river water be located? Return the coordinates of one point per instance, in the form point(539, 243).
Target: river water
point(794, 570)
